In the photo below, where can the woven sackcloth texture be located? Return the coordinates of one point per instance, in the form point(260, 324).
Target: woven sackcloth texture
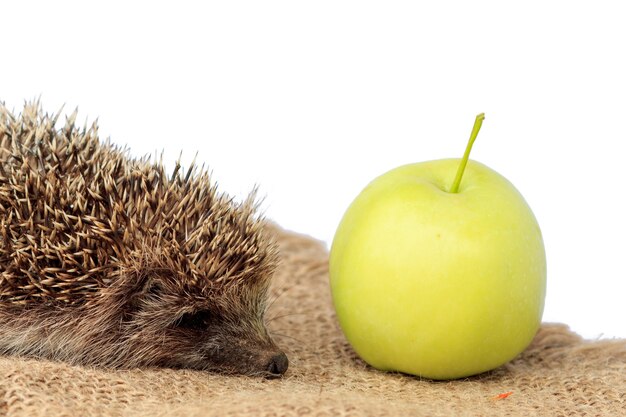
point(558, 375)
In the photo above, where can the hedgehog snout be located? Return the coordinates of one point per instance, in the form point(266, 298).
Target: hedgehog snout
point(242, 351)
point(278, 365)
point(270, 362)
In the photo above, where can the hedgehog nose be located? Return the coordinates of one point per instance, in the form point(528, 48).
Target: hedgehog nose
point(278, 364)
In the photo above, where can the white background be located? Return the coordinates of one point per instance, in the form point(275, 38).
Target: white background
point(312, 100)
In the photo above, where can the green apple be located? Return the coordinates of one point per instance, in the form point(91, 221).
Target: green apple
point(438, 277)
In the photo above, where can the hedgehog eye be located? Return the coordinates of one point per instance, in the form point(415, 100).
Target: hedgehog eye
point(194, 321)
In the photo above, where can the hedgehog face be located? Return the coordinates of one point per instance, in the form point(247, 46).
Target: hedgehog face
point(224, 333)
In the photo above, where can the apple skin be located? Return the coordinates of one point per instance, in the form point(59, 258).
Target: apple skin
point(437, 284)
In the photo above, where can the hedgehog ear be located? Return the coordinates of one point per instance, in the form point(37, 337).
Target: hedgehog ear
point(138, 285)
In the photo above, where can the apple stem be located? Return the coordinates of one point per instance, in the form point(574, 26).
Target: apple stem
point(459, 173)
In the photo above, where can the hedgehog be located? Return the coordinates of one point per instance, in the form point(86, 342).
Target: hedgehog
point(107, 261)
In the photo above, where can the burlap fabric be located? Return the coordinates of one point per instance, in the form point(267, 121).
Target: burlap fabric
point(559, 374)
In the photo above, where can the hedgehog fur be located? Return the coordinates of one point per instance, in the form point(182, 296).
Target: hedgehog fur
point(106, 260)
